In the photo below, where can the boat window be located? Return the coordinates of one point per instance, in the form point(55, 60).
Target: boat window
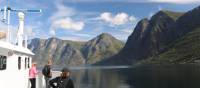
point(3, 60)
point(28, 62)
point(25, 65)
point(19, 63)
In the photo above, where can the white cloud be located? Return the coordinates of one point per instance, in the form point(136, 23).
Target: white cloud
point(62, 11)
point(62, 19)
point(67, 23)
point(118, 19)
point(176, 1)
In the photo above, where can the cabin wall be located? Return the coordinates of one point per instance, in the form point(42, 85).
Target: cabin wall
point(17, 70)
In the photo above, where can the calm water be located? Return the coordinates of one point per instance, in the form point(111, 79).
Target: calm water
point(176, 76)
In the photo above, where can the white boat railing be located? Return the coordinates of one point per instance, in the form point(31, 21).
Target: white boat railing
point(40, 82)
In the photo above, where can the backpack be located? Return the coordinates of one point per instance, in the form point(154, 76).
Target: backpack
point(46, 71)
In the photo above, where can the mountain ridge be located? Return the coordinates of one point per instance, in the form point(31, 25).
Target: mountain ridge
point(72, 53)
point(153, 37)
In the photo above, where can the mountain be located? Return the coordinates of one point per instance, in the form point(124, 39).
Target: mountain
point(61, 51)
point(150, 37)
point(73, 53)
point(103, 46)
point(168, 37)
point(185, 49)
point(165, 40)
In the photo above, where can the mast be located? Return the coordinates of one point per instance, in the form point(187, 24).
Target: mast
point(6, 20)
point(8, 26)
point(20, 33)
point(21, 14)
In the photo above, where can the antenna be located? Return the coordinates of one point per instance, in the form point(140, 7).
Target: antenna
point(6, 16)
point(20, 34)
point(21, 15)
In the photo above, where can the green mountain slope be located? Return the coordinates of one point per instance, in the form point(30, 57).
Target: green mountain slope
point(149, 38)
point(168, 37)
point(100, 47)
point(184, 50)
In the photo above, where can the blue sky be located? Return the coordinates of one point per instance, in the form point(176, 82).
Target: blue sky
point(82, 20)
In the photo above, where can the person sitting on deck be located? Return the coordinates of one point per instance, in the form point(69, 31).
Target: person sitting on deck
point(62, 81)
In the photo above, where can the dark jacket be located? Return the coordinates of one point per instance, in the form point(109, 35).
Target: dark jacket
point(61, 83)
point(46, 71)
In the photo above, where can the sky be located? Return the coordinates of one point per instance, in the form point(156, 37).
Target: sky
point(82, 20)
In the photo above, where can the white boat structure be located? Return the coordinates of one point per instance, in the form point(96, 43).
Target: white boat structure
point(15, 59)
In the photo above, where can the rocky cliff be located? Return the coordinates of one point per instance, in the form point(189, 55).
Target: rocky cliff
point(168, 37)
point(72, 53)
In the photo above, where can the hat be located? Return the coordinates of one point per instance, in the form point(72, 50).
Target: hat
point(65, 70)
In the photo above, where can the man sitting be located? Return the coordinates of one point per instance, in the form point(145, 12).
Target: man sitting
point(62, 81)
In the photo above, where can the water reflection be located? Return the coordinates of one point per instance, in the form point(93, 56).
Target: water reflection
point(98, 78)
point(176, 76)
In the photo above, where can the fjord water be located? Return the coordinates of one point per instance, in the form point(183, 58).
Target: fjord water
point(168, 76)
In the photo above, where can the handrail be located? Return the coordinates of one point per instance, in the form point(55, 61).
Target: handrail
point(40, 81)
